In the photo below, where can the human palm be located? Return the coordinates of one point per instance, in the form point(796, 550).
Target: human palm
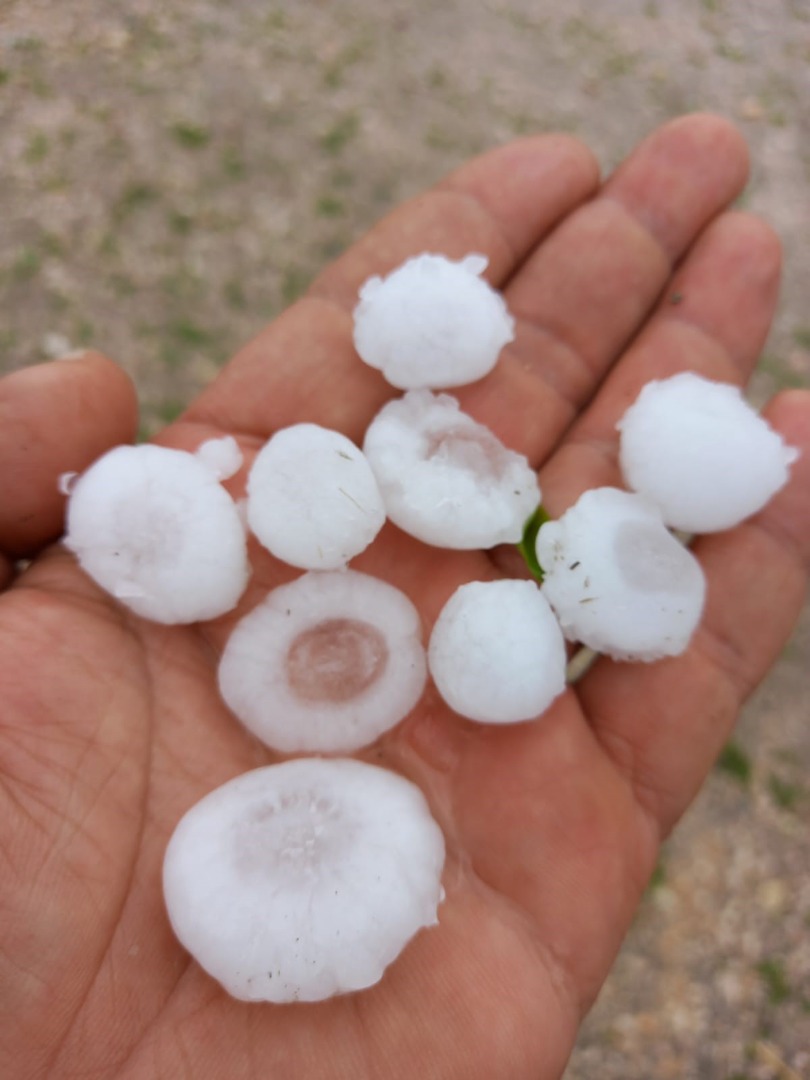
point(111, 727)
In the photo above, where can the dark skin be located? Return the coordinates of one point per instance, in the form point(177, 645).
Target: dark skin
point(110, 727)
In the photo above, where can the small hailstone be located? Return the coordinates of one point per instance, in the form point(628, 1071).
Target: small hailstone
point(299, 881)
point(312, 498)
point(699, 451)
point(618, 580)
point(432, 322)
point(497, 653)
point(154, 528)
point(445, 478)
point(326, 663)
point(222, 456)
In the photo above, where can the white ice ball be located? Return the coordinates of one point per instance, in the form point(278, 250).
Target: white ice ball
point(326, 663)
point(699, 451)
point(432, 322)
point(497, 654)
point(299, 881)
point(618, 580)
point(154, 527)
point(445, 478)
point(312, 498)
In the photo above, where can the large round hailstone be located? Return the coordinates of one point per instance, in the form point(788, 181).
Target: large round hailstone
point(432, 322)
point(497, 654)
point(299, 881)
point(699, 451)
point(326, 663)
point(445, 478)
point(618, 580)
point(155, 528)
point(312, 498)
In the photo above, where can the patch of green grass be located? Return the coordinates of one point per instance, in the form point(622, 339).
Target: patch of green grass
point(772, 973)
point(182, 284)
point(712, 6)
point(329, 206)
point(620, 63)
point(734, 761)
point(801, 335)
point(37, 149)
point(651, 9)
point(358, 49)
point(108, 244)
point(336, 138)
point(40, 88)
point(233, 164)
point(658, 877)
point(190, 136)
point(185, 332)
point(438, 138)
point(522, 123)
point(179, 223)
point(584, 31)
point(51, 245)
point(784, 793)
point(275, 20)
point(26, 266)
point(783, 376)
point(169, 410)
point(134, 197)
point(234, 294)
point(437, 78)
point(83, 332)
point(333, 246)
point(4, 76)
point(294, 283)
point(730, 52)
point(28, 43)
point(123, 285)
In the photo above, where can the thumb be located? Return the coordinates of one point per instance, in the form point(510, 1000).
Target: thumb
point(54, 418)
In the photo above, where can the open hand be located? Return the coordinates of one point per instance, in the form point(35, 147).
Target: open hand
point(111, 727)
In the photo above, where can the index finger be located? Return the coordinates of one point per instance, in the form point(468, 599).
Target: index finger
point(304, 367)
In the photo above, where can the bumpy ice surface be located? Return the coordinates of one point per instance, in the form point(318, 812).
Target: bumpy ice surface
point(445, 478)
point(154, 527)
point(312, 498)
point(699, 451)
point(432, 322)
point(303, 880)
point(497, 653)
point(328, 662)
point(618, 580)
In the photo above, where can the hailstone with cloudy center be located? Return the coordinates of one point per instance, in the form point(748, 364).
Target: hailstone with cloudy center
point(618, 580)
point(445, 478)
point(433, 322)
point(699, 451)
point(299, 881)
point(326, 663)
point(155, 528)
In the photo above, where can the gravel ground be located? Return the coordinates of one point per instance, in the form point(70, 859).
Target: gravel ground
point(173, 173)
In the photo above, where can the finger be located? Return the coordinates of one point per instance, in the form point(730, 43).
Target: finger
point(726, 294)
point(588, 289)
point(304, 367)
point(55, 418)
point(757, 576)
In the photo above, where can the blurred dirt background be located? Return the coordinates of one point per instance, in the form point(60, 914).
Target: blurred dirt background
point(172, 174)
